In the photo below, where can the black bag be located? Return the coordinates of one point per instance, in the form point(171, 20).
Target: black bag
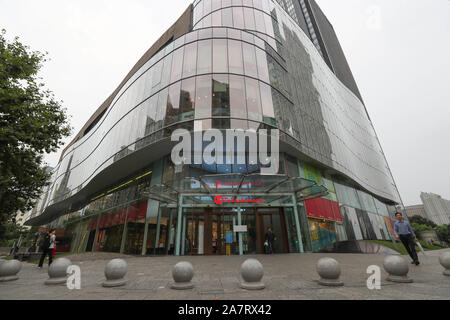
point(46, 243)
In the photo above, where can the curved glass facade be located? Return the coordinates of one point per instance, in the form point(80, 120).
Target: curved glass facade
point(245, 64)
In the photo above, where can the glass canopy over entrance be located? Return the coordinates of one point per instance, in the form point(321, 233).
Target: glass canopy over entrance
point(201, 229)
point(237, 189)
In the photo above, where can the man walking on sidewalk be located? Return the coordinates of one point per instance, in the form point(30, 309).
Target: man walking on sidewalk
point(404, 232)
point(47, 248)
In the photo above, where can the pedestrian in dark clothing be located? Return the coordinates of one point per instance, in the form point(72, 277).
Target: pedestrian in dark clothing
point(404, 232)
point(270, 238)
point(47, 248)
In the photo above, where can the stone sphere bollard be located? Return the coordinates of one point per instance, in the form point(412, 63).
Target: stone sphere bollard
point(57, 271)
point(329, 271)
point(115, 272)
point(444, 260)
point(252, 272)
point(182, 274)
point(9, 270)
point(397, 268)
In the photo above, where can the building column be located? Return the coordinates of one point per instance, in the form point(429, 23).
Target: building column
point(158, 231)
point(124, 233)
point(96, 233)
point(178, 235)
point(297, 224)
point(183, 237)
point(152, 205)
point(241, 244)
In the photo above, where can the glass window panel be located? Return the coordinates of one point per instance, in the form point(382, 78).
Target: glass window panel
point(263, 68)
point(234, 34)
point(216, 18)
point(177, 65)
point(259, 21)
point(206, 21)
point(166, 70)
point(220, 59)
point(221, 96)
point(236, 2)
point(156, 77)
point(216, 4)
point(191, 36)
point(162, 107)
point(235, 57)
point(219, 32)
point(221, 124)
point(203, 97)
point(226, 3)
point(253, 99)
point(227, 17)
point(206, 7)
point(179, 42)
point(250, 60)
point(239, 124)
point(247, 3)
point(204, 57)
point(204, 34)
point(190, 60)
point(267, 102)
point(238, 17)
point(173, 103)
point(237, 97)
point(187, 99)
point(249, 19)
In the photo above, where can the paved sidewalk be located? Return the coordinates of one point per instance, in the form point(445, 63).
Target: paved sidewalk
point(286, 277)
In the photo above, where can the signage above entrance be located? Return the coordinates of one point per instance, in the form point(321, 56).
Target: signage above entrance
point(240, 228)
point(222, 200)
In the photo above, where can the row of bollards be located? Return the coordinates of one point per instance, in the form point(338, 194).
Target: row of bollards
point(251, 272)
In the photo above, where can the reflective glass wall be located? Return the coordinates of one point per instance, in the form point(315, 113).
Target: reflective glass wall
point(246, 64)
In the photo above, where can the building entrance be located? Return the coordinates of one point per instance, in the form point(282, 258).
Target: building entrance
point(210, 231)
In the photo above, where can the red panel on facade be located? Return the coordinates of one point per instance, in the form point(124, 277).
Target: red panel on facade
point(323, 209)
point(142, 211)
point(123, 215)
point(116, 218)
point(337, 211)
point(132, 213)
point(102, 221)
point(109, 219)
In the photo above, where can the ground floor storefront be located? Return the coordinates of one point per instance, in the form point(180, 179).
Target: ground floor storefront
point(232, 229)
point(186, 212)
point(194, 230)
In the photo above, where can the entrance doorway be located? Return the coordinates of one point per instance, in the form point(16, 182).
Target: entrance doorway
point(273, 218)
point(210, 231)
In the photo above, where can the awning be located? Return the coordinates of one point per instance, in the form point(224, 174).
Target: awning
point(203, 189)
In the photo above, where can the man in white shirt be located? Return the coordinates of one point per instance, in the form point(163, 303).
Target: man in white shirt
point(47, 248)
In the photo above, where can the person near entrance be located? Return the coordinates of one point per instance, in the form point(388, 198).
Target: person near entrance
point(270, 238)
point(47, 247)
point(404, 232)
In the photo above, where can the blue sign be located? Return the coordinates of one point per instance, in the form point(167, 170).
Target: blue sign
point(229, 237)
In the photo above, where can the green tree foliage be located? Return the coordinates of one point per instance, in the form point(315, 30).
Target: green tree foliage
point(420, 227)
point(444, 232)
point(32, 123)
point(422, 220)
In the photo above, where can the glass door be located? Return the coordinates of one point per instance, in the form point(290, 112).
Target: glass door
point(273, 219)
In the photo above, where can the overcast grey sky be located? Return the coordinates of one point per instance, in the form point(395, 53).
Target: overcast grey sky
point(398, 50)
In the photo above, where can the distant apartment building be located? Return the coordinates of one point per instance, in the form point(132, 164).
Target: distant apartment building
point(21, 217)
point(416, 210)
point(436, 208)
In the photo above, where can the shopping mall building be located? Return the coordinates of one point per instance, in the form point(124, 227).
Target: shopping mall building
point(227, 64)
